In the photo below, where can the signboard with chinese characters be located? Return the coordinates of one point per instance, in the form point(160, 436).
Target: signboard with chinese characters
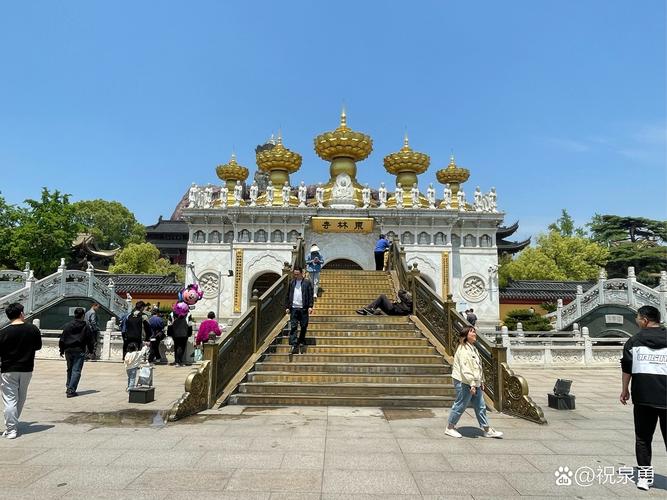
point(342, 224)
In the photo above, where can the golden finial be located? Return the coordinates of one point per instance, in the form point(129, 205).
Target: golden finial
point(452, 162)
point(343, 118)
point(406, 143)
point(233, 157)
point(280, 137)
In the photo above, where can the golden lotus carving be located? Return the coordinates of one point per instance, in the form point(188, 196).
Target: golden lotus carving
point(406, 160)
point(343, 143)
point(452, 174)
point(279, 158)
point(232, 171)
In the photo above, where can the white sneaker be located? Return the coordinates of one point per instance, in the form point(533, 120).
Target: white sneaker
point(492, 433)
point(4, 434)
point(453, 433)
point(642, 484)
point(10, 435)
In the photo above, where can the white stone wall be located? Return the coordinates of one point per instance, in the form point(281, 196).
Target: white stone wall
point(355, 247)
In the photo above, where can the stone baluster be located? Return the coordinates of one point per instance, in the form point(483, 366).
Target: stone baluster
point(631, 281)
point(588, 347)
point(26, 270)
point(30, 284)
point(112, 291)
point(519, 333)
point(575, 330)
point(559, 315)
point(106, 339)
point(580, 293)
point(505, 334)
point(61, 269)
point(662, 291)
point(602, 278)
point(548, 353)
point(36, 322)
point(128, 303)
point(90, 271)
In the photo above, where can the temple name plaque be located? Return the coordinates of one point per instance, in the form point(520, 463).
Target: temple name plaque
point(342, 224)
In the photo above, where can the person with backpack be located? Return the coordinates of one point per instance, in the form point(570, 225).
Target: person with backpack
point(91, 319)
point(137, 328)
point(179, 329)
point(157, 336)
point(77, 338)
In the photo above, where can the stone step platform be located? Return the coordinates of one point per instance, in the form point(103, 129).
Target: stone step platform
point(347, 298)
point(356, 358)
point(347, 378)
point(300, 365)
point(318, 400)
point(356, 390)
point(324, 340)
point(358, 319)
point(324, 331)
point(357, 349)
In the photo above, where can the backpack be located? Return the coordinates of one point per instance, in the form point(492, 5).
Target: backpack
point(123, 323)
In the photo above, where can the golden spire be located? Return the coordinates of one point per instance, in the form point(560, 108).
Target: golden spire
point(343, 119)
point(406, 144)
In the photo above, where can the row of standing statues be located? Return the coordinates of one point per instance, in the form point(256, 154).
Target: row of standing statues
point(205, 197)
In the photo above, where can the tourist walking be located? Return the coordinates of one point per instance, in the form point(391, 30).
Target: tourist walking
point(75, 340)
point(400, 307)
point(133, 359)
point(180, 328)
point(137, 328)
point(299, 306)
point(471, 317)
point(18, 343)
point(208, 326)
point(381, 246)
point(469, 384)
point(157, 336)
point(314, 263)
point(91, 319)
point(644, 364)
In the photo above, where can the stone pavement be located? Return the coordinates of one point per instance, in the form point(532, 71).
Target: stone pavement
point(309, 452)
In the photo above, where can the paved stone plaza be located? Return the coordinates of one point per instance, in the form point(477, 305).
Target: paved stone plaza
point(307, 452)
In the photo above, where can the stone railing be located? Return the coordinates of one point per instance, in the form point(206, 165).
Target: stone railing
point(579, 349)
point(11, 281)
point(37, 294)
point(621, 291)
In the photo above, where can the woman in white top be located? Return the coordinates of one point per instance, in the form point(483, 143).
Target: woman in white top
point(469, 383)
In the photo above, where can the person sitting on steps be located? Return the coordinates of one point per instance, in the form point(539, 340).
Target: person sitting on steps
point(382, 304)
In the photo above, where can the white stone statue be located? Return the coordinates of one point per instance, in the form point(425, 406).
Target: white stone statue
point(193, 196)
point(254, 192)
point(414, 192)
point(303, 193)
point(270, 193)
point(477, 200)
point(224, 194)
point(286, 194)
point(461, 198)
point(398, 195)
point(430, 196)
point(238, 193)
point(342, 193)
point(208, 196)
point(319, 195)
point(382, 195)
point(493, 201)
point(447, 197)
point(366, 196)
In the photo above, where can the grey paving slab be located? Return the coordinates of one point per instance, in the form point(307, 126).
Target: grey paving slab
point(15, 456)
point(89, 477)
point(449, 446)
point(302, 460)
point(377, 482)
point(502, 447)
point(368, 445)
point(130, 494)
point(23, 494)
point(68, 456)
point(427, 462)
point(336, 496)
point(289, 481)
point(462, 483)
point(365, 461)
point(543, 483)
point(175, 458)
point(185, 480)
point(491, 463)
point(575, 447)
point(17, 476)
point(233, 459)
point(288, 443)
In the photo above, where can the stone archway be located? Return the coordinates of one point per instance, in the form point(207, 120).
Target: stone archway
point(342, 264)
point(263, 282)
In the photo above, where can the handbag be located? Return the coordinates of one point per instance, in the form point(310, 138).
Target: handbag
point(199, 355)
point(169, 343)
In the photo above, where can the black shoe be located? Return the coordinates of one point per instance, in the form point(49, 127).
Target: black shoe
point(72, 394)
point(362, 311)
point(295, 349)
point(302, 348)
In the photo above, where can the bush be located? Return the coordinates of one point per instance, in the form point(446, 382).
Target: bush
point(530, 321)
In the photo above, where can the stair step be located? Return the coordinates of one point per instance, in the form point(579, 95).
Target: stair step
point(357, 358)
point(347, 378)
point(357, 318)
point(398, 333)
point(303, 366)
point(327, 341)
point(357, 349)
point(356, 390)
point(317, 400)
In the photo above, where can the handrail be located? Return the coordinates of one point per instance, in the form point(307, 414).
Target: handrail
point(507, 390)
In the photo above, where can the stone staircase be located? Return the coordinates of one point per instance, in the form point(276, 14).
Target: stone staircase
point(351, 360)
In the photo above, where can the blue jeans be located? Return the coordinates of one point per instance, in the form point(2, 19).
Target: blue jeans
point(463, 397)
point(74, 359)
point(315, 278)
point(298, 317)
point(131, 377)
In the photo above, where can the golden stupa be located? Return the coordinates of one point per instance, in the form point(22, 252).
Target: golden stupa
point(406, 165)
point(454, 176)
point(343, 147)
point(279, 162)
point(231, 173)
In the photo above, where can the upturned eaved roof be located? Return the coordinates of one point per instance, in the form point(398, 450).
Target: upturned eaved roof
point(168, 226)
point(542, 290)
point(143, 283)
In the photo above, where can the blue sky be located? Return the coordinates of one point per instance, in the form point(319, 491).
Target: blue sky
point(556, 104)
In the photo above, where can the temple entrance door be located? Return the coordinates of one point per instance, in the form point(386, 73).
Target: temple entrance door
point(342, 264)
point(263, 282)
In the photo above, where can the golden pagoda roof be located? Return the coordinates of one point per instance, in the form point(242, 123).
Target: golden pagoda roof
point(232, 171)
point(343, 142)
point(452, 173)
point(406, 160)
point(278, 158)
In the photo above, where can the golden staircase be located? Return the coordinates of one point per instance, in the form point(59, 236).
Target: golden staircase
point(351, 360)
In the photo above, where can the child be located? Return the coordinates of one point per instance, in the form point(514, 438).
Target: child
point(133, 359)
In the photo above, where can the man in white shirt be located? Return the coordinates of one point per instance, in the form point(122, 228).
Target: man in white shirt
point(299, 306)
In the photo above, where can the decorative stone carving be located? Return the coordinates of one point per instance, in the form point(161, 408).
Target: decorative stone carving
point(238, 193)
point(254, 192)
point(366, 196)
point(286, 194)
point(382, 195)
point(303, 192)
point(474, 288)
point(477, 200)
point(342, 192)
point(398, 195)
point(461, 199)
point(447, 197)
point(414, 192)
point(270, 193)
point(208, 196)
point(209, 284)
point(430, 196)
point(319, 195)
point(193, 195)
point(224, 195)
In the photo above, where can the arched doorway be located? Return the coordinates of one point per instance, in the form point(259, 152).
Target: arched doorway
point(263, 282)
point(342, 264)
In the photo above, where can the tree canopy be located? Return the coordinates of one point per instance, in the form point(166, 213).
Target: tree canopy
point(612, 229)
point(111, 223)
point(9, 219)
point(144, 258)
point(564, 226)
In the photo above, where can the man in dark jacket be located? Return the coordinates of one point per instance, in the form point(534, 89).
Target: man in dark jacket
point(93, 324)
point(401, 307)
point(76, 339)
point(644, 363)
point(18, 343)
point(137, 328)
point(299, 306)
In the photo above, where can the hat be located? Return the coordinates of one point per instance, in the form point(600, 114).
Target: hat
point(314, 248)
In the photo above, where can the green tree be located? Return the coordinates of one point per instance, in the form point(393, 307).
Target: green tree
point(44, 232)
point(557, 257)
point(632, 241)
point(9, 219)
point(111, 223)
point(144, 258)
point(530, 321)
point(564, 225)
